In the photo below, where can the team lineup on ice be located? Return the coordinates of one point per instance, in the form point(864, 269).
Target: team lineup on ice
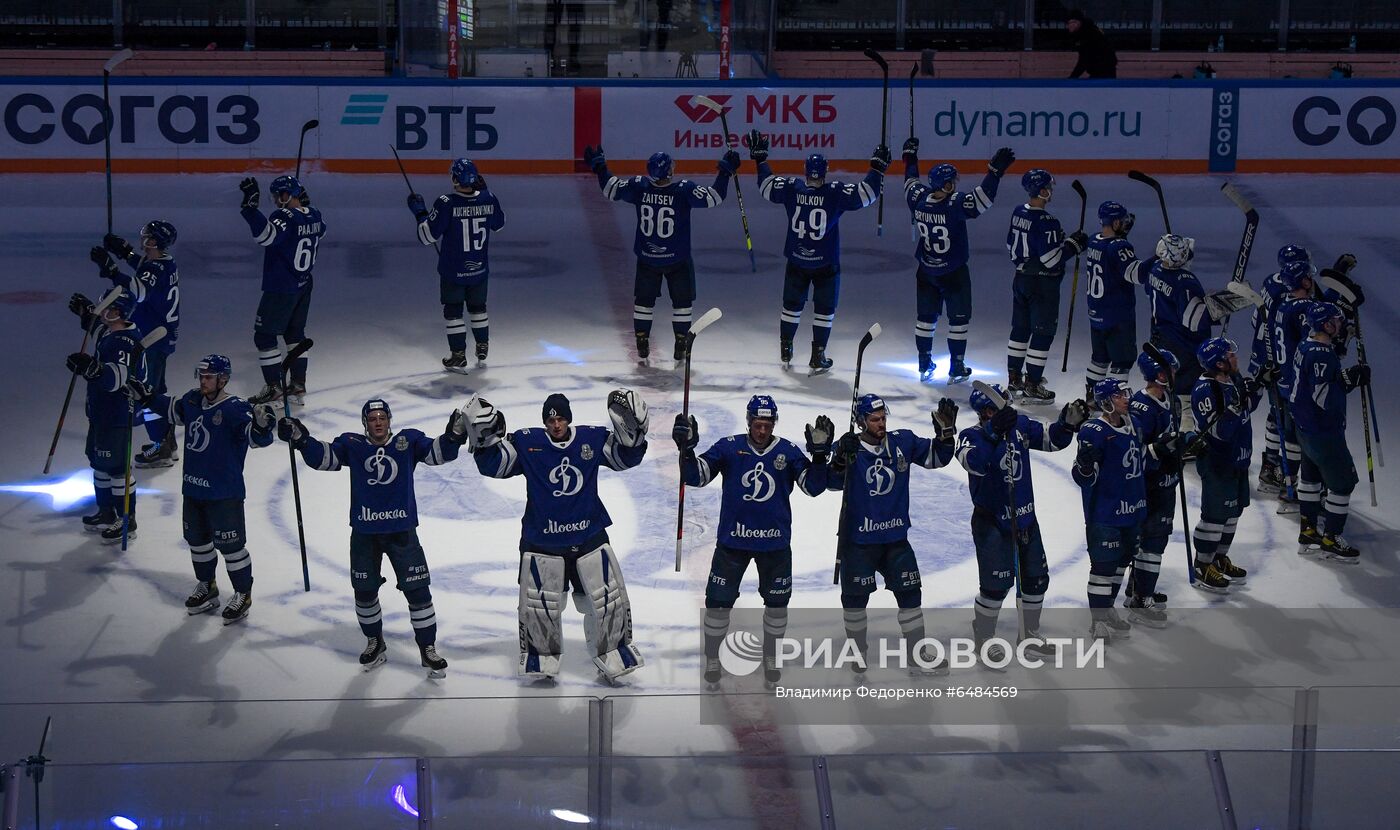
point(1162, 422)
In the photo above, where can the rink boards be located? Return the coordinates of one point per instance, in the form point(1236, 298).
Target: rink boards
point(235, 125)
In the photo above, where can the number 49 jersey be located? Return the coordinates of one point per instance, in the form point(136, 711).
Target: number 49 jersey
point(464, 225)
point(814, 213)
point(663, 213)
point(755, 511)
point(291, 237)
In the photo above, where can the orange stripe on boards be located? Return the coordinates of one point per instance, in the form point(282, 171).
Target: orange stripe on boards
point(1317, 165)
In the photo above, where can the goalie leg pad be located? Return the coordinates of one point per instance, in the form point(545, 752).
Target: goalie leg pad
point(609, 613)
point(542, 587)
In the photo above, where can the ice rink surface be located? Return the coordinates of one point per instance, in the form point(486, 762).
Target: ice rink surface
point(82, 623)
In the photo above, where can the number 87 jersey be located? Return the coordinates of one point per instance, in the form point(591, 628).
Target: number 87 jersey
point(464, 225)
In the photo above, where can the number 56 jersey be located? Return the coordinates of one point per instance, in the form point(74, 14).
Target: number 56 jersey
point(755, 510)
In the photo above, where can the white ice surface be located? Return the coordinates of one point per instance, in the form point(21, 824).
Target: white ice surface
point(83, 626)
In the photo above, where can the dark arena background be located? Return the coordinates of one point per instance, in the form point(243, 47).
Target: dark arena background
point(1259, 692)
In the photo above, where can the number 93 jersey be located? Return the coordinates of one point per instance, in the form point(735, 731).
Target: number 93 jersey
point(382, 498)
point(663, 214)
point(1112, 267)
point(464, 225)
point(877, 496)
point(755, 511)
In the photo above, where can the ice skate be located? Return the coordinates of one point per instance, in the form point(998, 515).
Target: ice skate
point(482, 349)
point(296, 394)
point(374, 654)
point(678, 354)
point(819, 364)
point(771, 673)
point(1145, 612)
point(958, 371)
point(1119, 628)
point(155, 455)
point(1270, 478)
point(926, 368)
point(1230, 570)
point(1209, 579)
point(1287, 505)
point(270, 393)
point(785, 353)
point(112, 533)
point(204, 597)
point(1015, 383)
point(237, 607)
point(456, 362)
point(1034, 392)
point(995, 657)
point(97, 522)
point(1335, 548)
point(930, 667)
point(1036, 647)
point(432, 661)
point(643, 346)
point(1309, 540)
point(713, 671)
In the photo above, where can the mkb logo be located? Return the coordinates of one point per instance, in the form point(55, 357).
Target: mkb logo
point(740, 653)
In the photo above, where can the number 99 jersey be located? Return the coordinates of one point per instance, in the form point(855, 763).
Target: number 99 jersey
point(464, 225)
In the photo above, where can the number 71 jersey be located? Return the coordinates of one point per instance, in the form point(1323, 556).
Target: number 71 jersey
point(464, 225)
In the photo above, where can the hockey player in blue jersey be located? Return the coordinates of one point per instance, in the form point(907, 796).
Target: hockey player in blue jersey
point(940, 214)
point(760, 471)
point(1223, 401)
point(155, 284)
point(1039, 249)
point(1111, 468)
point(115, 363)
point(563, 534)
point(872, 468)
point(1318, 403)
point(1152, 406)
point(384, 516)
point(1261, 353)
point(219, 429)
point(813, 247)
point(662, 243)
point(996, 455)
point(463, 222)
point(291, 235)
point(1113, 272)
point(1286, 330)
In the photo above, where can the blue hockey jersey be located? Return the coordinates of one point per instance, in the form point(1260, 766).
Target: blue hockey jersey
point(382, 498)
point(1155, 418)
point(877, 498)
point(814, 213)
point(1231, 436)
point(291, 237)
point(1318, 398)
point(942, 225)
point(217, 437)
point(1289, 328)
point(1115, 492)
point(1261, 322)
point(1036, 242)
point(663, 212)
point(755, 511)
point(156, 287)
point(107, 404)
point(989, 459)
point(463, 224)
point(1179, 318)
point(1114, 272)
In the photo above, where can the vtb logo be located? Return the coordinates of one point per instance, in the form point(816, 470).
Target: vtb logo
point(699, 114)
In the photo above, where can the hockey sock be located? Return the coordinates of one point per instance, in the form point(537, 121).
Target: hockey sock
point(855, 620)
point(1309, 500)
point(102, 488)
point(774, 627)
point(923, 337)
point(1015, 354)
point(1036, 356)
point(239, 565)
point(1030, 611)
point(1101, 587)
point(369, 614)
point(680, 320)
point(957, 341)
point(1207, 536)
point(821, 328)
point(269, 361)
point(481, 327)
point(298, 368)
point(1093, 373)
point(1146, 569)
point(716, 627)
point(1120, 572)
point(787, 329)
point(456, 334)
point(1271, 443)
point(1119, 372)
point(156, 427)
point(911, 627)
point(1188, 415)
point(985, 608)
point(119, 494)
point(205, 561)
point(424, 621)
point(641, 318)
point(1227, 536)
point(1338, 507)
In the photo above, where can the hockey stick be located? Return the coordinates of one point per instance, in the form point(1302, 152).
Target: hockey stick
point(715, 106)
point(1251, 224)
point(913, 72)
point(109, 122)
point(1161, 360)
point(148, 341)
point(698, 326)
point(1000, 402)
point(1276, 406)
point(1368, 400)
point(305, 128)
point(843, 535)
point(292, 356)
point(1074, 284)
point(1336, 281)
point(73, 380)
point(884, 128)
point(1139, 176)
point(407, 183)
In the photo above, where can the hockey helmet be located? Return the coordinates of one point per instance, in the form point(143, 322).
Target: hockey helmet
point(1151, 369)
point(159, 231)
point(815, 167)
point(940, 176)
point(464, 173)
point(762, 407)
point(660, 167)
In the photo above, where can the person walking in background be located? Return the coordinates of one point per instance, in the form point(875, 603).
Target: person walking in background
point(1096, 56)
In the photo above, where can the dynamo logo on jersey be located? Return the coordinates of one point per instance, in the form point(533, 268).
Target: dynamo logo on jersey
point(382, 468)
point(880, 478)
point(760, 484)
point(196, 436)
point(1011, 463)
point(567, 477)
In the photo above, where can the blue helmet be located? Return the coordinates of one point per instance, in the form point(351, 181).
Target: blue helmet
point(867, 405)
point(1321, 313)
point(124, 304)
point(289, 185)
point(940, 176)
point(660, 166)
point(160, 232)
point(762, 407)
point(464, 173)
point(1108, 387)
point(1292, 273)
point(1037, 180)
point(1293, 253)
point(1151, 369)
point(815, 167)
point(1111, 211)
point(1213, 351)
point(980, 401)
point(374, 405)
point(214, 364)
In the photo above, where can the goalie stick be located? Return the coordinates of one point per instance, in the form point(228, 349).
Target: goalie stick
point(843, 536)
point(73, 380)
point(1251, 224)
point(292, 357)
point(698, 326)
point(156, 335)
point(1000, 402)
point(884, 130)
point(714, 106)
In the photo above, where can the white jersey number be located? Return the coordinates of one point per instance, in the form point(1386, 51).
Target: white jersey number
point(305, 255)
point(936, 238)
point(811, 226)
point(473, 234)
point(657, 222)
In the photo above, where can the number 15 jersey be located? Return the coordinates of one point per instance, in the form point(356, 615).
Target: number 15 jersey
point(464, 225)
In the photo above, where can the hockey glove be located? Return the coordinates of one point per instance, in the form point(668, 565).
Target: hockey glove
point(1087, 459)
point(456, 430)
point(117, 245)
point(1267, 374)
point(82, 363)
point(593, 157)
point(249, 186)
point(304, 197)
point(880, 159)
point(289, 429)
point(629, 417)
point(1074, 414)
point(417, 206)
point(103, 260)
point(819, 437)
point(1002, 159)
point(138, 392)
point(1344, 263)
point(1166, 451)
point(1004, 420)
point(758, 146)
point(945, 418)
point(264, 416)
point(844, 453)
point(80, 305)
point(1358, 375)
point(1076, 242)
point(911, 148)
point(485, 425)
point(686, 433)
point(729, 162)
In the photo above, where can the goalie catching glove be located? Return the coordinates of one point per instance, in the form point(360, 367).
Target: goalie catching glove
point(485, 425)
point(629, 417)
point(1237, 295)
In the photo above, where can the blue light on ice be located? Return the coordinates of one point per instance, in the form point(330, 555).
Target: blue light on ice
point(123, 823)
point(63, 494)
point(401, 800)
